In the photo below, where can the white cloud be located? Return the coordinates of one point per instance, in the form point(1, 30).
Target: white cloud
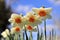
point(55, 1)
point(23, 8)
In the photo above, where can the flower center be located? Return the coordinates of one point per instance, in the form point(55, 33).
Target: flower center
point(31, 19)
point(42, 13)
point(18, 20)
point(29, 27)
point(17, 29)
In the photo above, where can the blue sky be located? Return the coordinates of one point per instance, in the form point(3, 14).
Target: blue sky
point(24, 6)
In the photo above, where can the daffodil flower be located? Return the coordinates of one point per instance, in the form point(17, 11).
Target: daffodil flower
point(16, 20)
point(15, 29)
point(43, 13)
point(5, 33)
point(31, 28)
point(32, 19)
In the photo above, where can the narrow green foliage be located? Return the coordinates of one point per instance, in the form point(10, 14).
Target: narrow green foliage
point(26, 34)
point(38, 33)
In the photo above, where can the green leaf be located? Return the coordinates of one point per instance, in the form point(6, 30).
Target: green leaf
point(38, 33)
point(41, 36)
point(26, 34)
point(30, 37)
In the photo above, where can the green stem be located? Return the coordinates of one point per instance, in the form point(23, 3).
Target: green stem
point(45, 29)
point(26, 34)
point(16, 37)
point(30, 38)
point(50, 36)
point(11, 37)
point(38, 33)
point(7, 38)
point(55, 36)
point(41, 36)
point(21, 36)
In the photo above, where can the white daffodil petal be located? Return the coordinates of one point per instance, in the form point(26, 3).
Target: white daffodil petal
point(7, 32)
point(14, 15)
point(35, 10)
point(11, 20)
point(4, 34)
point(29, 13)
point(12, 31)
point(48, 10)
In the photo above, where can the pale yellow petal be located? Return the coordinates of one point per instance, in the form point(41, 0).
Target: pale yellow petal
point(4, 34)
point(48, 10)
point(36, 10)
point(7, 32)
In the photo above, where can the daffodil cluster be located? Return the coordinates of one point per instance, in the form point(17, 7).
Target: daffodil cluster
point(30, 21)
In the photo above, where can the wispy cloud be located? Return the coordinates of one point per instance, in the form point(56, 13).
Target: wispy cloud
point(57, 2)
point(23, 8)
